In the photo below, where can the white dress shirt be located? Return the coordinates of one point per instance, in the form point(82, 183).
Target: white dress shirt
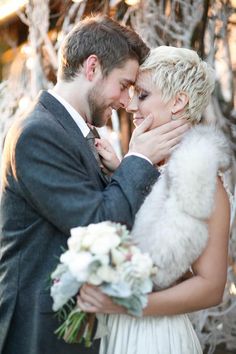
point(82, 124)
point(74, 114)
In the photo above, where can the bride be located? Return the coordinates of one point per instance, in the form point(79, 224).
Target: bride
point(183, 223)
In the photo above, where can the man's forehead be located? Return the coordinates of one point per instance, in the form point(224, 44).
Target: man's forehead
point(129, 71)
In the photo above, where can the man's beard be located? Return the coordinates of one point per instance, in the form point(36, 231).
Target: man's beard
point(97, 108)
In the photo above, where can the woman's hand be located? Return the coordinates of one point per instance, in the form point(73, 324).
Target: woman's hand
point(108, 155)
point(91, 299)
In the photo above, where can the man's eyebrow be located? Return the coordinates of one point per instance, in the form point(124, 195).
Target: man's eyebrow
point(129, 82)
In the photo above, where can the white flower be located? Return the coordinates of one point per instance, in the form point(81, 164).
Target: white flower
point(107, 274)
point(78, 263)
point(105, 227)
point(77, 235)
point(98, 261)
point(104, 259)
point(135, 249)
point(79, 231)
point(105, 244)
point(94, 279)
point(117, 256)
point(142, 264)
point(97, 238)
point(88, 240)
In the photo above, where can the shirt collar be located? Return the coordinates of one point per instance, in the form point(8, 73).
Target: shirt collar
point(74, 114)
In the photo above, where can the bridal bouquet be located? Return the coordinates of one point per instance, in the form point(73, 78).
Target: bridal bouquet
point(103, 255)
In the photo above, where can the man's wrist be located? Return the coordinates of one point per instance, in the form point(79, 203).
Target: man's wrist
point(138, 155)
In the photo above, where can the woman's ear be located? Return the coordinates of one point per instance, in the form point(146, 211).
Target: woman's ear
point(180, 102)
point(91, 67)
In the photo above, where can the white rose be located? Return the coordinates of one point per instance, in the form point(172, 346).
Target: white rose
point(142, 264)
point(74, 243)
point(67, 256)
point(117, 256)
point(85, 237)
point(94, 279)
point(135, 249)
point(78, 264)
point(79, 231)
point(77, 235)
point(105, 243)
point(104, 259)
point(107, 274)
point(102, 228)
point(88, 240)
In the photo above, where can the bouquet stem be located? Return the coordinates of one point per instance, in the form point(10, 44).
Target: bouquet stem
point(78, 326)
point(89, 329)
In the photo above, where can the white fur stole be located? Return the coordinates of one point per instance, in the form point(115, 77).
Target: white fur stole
point(171, 225)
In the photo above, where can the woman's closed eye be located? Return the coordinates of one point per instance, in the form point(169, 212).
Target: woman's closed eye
point(142, 96)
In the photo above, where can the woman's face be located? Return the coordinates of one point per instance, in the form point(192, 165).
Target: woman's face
point(146, 99)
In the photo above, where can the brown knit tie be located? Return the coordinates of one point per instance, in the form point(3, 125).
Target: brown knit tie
point(91, 142)
point(92, 135)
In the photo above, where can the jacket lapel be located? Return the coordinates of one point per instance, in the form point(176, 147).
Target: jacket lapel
point(62, 116)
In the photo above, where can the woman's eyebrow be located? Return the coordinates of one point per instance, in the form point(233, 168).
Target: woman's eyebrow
point(139, 88)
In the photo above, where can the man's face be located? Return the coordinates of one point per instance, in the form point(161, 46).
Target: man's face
point(111, 92)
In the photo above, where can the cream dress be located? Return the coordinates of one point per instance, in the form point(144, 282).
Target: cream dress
point(148, 335)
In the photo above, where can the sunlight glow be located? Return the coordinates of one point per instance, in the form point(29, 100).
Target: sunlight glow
point(132, 2)
point(10, 7)
point(24, 103)
point(232, 289)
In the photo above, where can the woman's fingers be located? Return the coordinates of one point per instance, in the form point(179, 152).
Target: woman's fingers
point(172, 126)
point(87, 300)
point(91, 295)
point(85, 306)
point(173, 143)
point(177, 132)
point(91, 299)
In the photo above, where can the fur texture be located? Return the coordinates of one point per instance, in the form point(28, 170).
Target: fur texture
point(171, 225)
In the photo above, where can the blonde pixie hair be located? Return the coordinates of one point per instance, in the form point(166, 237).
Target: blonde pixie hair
point(176, 70)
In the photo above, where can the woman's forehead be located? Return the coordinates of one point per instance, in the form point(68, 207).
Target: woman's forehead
point(144, 81)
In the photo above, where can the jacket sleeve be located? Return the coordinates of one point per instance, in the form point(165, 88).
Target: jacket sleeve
point(55, 181)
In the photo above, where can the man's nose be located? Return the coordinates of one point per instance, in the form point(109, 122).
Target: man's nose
point(124, 99)
point(132, 105)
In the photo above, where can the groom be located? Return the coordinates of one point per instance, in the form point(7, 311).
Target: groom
point(52, 182)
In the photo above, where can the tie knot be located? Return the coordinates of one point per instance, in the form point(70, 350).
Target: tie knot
point(93, 131)
point(90, 135)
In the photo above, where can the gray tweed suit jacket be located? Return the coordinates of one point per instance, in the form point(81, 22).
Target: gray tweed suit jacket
point(51, 183)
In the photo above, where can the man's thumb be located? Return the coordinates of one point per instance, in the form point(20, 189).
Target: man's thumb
point(146, 124)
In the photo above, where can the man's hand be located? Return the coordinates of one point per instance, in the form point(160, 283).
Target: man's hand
point(158, 143)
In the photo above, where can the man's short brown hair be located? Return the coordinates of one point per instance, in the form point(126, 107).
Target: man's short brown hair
point(112, 43)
